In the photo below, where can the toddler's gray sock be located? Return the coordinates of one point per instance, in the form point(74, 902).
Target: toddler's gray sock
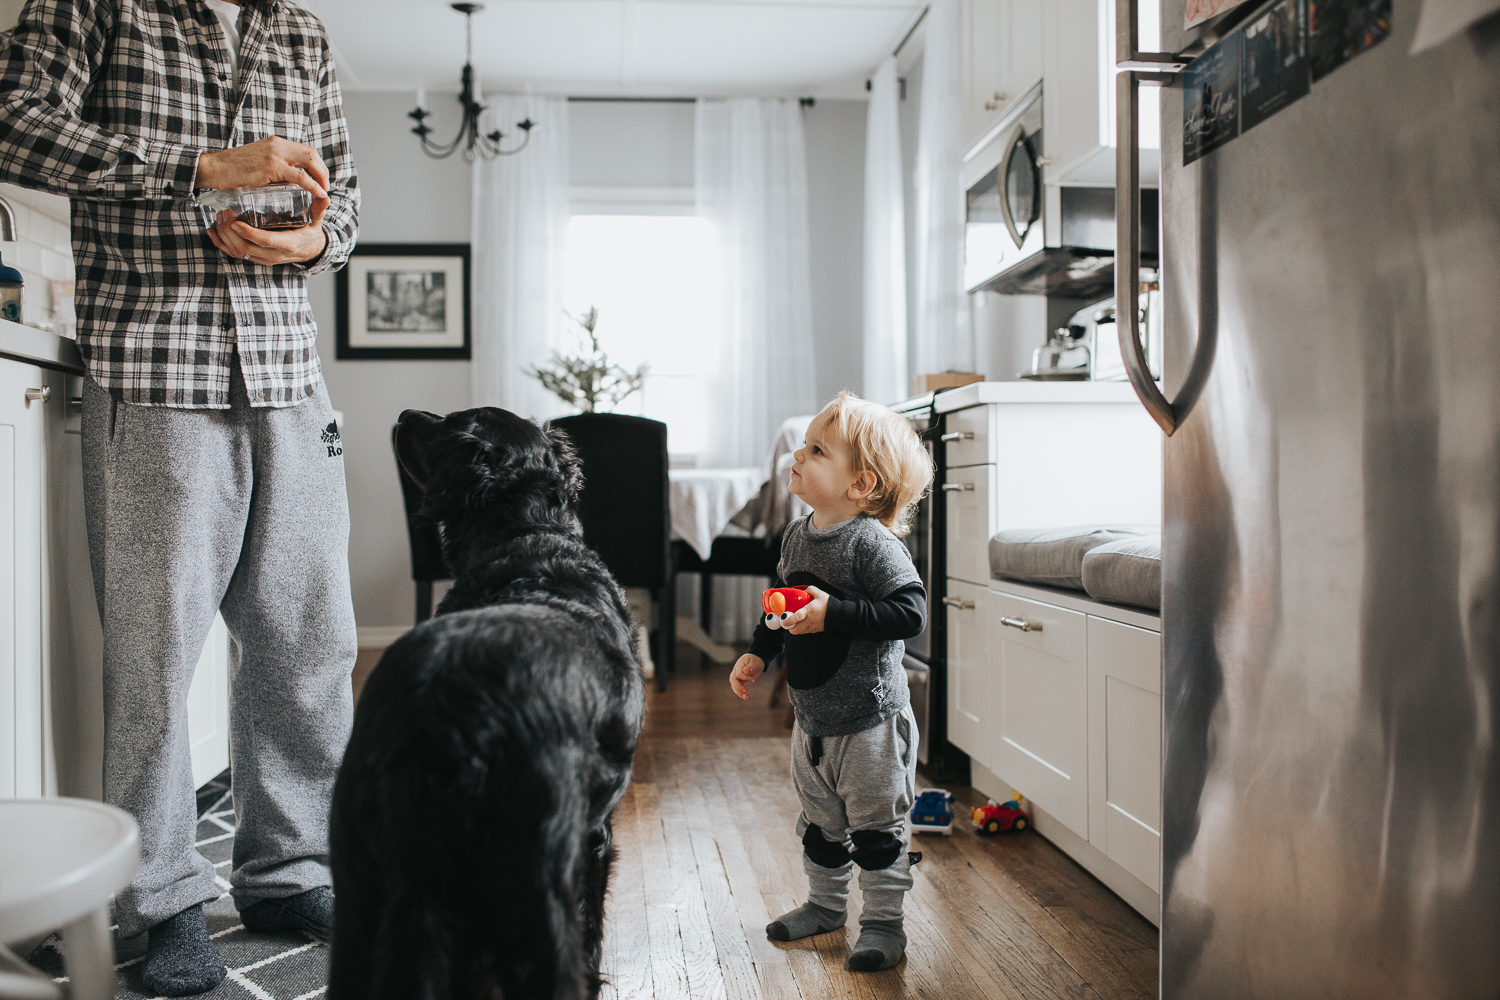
point(880, 946)
point(827, 901)
point(882, 939)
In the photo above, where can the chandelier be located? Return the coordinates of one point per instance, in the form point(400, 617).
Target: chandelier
point(473, 141)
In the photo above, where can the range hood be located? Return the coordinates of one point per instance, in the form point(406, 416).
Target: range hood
point(1084, 266)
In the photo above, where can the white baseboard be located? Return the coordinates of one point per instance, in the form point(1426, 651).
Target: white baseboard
point(1138, 894)
point(380, 636)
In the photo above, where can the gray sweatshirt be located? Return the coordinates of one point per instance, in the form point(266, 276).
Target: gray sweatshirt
point(848, 677)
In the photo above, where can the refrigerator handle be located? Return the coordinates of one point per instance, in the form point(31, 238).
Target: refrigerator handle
point(1132, 67)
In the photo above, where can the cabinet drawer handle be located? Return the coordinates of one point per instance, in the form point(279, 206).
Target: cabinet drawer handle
point(39, 395)
point(959, 487)
point(959, 603)
point(958, 436)
point(1022, 624)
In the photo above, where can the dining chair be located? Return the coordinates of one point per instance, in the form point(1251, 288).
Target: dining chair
point(625, 508)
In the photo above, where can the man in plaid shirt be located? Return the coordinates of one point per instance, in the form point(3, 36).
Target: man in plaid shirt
point(213, 466)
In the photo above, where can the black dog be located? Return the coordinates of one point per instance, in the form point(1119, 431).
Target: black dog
point(470, 834)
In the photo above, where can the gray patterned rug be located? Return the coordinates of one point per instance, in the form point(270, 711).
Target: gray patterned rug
point(261, 966)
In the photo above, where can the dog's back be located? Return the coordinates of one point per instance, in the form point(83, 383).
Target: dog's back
point(470, 832)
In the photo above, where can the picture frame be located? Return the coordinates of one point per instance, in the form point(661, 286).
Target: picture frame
point(404, 301)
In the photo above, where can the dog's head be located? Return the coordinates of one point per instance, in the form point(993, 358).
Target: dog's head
point(487, 474)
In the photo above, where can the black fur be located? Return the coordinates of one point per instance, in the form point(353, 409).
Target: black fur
point(470, 839)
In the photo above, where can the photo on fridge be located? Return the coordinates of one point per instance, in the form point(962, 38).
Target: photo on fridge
point(1339, 30)
point(1274, 62)
point(1211, 99)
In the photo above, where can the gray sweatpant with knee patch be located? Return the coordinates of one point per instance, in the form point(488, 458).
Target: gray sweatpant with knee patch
point(858, 793)
point(241, 511)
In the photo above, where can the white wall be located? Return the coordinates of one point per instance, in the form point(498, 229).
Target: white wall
point(411, 198)
point(835, 132)
point(407, 198)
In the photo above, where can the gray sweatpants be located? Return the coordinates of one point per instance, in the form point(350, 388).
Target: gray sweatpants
point(858, 793)
point(241, 511)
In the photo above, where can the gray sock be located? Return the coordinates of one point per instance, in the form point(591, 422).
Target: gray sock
point(827, 901)
point(805, 921)
point(882, 939)
point(880, 946)
point(180, 958)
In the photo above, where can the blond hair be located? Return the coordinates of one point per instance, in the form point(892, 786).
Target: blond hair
point(881, 441)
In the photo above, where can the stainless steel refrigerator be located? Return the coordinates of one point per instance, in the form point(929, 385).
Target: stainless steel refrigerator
point(1331, 611)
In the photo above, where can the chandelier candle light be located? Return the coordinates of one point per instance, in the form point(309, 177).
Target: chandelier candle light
point(470, 138)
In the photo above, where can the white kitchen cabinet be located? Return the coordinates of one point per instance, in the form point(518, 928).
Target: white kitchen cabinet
point(51, 646)
point(24, 690)
point(967, 492)
point(1124, 676)
point(1078, 102)
point(969, 669)
point(1039, 705)
point(1002, 60)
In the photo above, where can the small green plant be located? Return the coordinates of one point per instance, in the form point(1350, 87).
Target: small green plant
point(587, 380)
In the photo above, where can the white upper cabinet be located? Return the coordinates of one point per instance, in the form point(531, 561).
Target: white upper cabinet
point(1002, 60)
point(1078, 93)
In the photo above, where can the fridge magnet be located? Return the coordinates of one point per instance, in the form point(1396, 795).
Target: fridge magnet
point(404, 301)
point(1273, 61)
point(1339, 30)
point(1211, 99)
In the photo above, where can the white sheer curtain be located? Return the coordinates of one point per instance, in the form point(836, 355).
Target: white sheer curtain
point(751, 180)
point(520, 229)
point(885, 244)
point(943, 337)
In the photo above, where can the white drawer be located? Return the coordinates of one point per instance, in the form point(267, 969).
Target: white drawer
point(967, 611)
point(1039, 705)
point(1125, 746)
point(967, 436)
point(971, 521)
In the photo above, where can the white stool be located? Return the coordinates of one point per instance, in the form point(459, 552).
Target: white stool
point(60, 861)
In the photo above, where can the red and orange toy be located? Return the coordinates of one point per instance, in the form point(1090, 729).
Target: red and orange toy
point(780, 603)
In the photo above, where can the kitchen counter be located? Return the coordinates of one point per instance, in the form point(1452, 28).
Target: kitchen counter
point(980, 393)
point(38, 347)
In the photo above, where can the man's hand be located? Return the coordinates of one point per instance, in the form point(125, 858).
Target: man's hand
point(746, 669)
point(264, 246)
point(810, 618)
point(270, 161)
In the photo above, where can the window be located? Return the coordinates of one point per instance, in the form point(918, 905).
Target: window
point(655, 281)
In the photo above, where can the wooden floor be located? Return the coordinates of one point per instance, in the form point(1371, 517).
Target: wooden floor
point(708, 856)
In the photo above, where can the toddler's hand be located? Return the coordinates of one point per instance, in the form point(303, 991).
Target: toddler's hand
point(746, 669)
point(810, 618)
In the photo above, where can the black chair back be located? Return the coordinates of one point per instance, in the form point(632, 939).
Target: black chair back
point(626, 512)
point(625, 505)
point(427, 562)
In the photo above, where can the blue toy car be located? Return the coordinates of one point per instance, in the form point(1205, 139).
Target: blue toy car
point(933, 812)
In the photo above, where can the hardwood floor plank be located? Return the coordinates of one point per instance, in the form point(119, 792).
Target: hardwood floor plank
point(668, 963)
point(626, 962)
point(705, 978)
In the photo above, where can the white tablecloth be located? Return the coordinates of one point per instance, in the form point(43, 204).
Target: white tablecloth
point(703, 501)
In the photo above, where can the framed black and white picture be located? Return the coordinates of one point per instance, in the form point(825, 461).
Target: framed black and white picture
point(404, 301)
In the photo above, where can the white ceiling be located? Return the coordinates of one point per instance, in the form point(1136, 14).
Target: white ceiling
point(682, 48)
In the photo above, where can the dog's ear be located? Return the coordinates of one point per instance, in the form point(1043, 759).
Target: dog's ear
point(568, 463)
point(415, 431)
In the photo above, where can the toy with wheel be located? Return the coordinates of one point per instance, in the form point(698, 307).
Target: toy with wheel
point(993, 817)
point(932, 812)
point(780, 603)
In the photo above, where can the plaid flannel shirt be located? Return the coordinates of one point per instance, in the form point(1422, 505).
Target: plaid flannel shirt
point(110, 102)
